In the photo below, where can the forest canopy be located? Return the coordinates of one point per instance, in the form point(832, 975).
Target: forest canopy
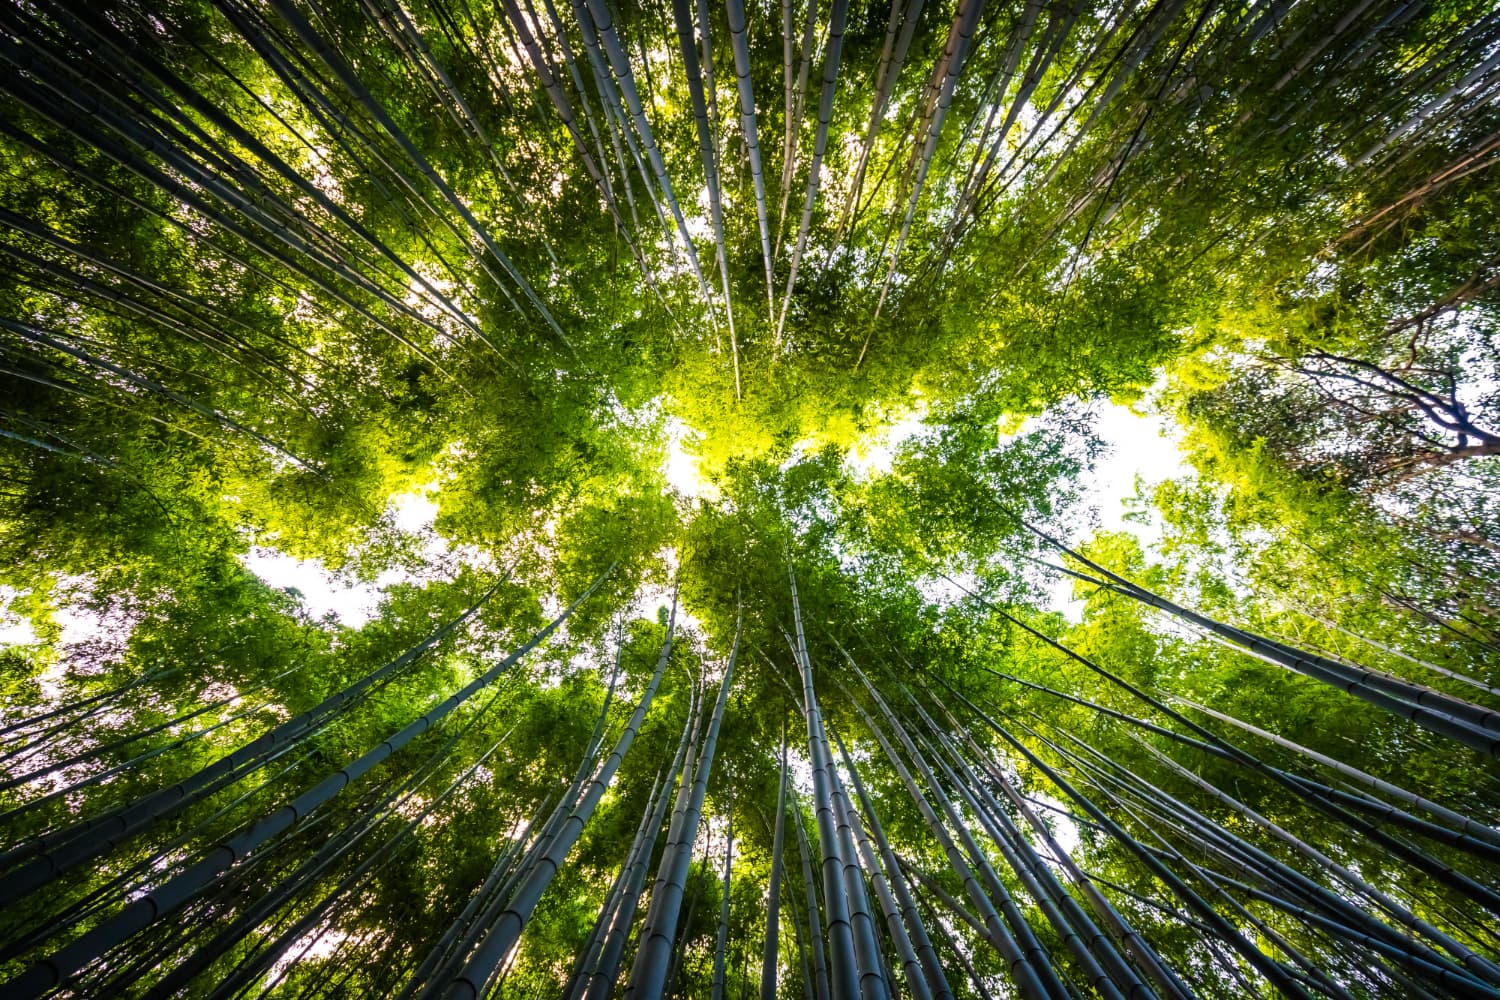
point(709, 402)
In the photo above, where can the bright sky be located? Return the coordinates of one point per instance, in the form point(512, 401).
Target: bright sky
point(14, 630)
point(874, 454)
point(680, 467)
point(1137, 447)
point(351, 603)
point(76, 624)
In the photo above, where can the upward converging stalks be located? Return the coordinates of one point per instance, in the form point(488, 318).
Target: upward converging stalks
point(315, 314)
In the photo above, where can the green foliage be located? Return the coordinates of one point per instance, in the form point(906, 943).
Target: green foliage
point(268, 271)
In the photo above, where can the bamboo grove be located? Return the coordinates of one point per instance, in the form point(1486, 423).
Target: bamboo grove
point(430, 299)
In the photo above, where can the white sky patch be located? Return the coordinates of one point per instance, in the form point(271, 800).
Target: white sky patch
point(319, 943)
point(1064, 830)
point(701, 228)
point(1144, 447)
point(1137, 447)
point(658, 600)
point(15, 629)
point(353, 604)
point(414, 512)
point(680, 467)
point(323, 177)
point(17, 632)
point(874, 453)
point(942, 590)
point(81, 625)
point(1479, 389)
point(77, 624)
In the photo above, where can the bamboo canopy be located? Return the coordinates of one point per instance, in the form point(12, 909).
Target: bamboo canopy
point(435, 303)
